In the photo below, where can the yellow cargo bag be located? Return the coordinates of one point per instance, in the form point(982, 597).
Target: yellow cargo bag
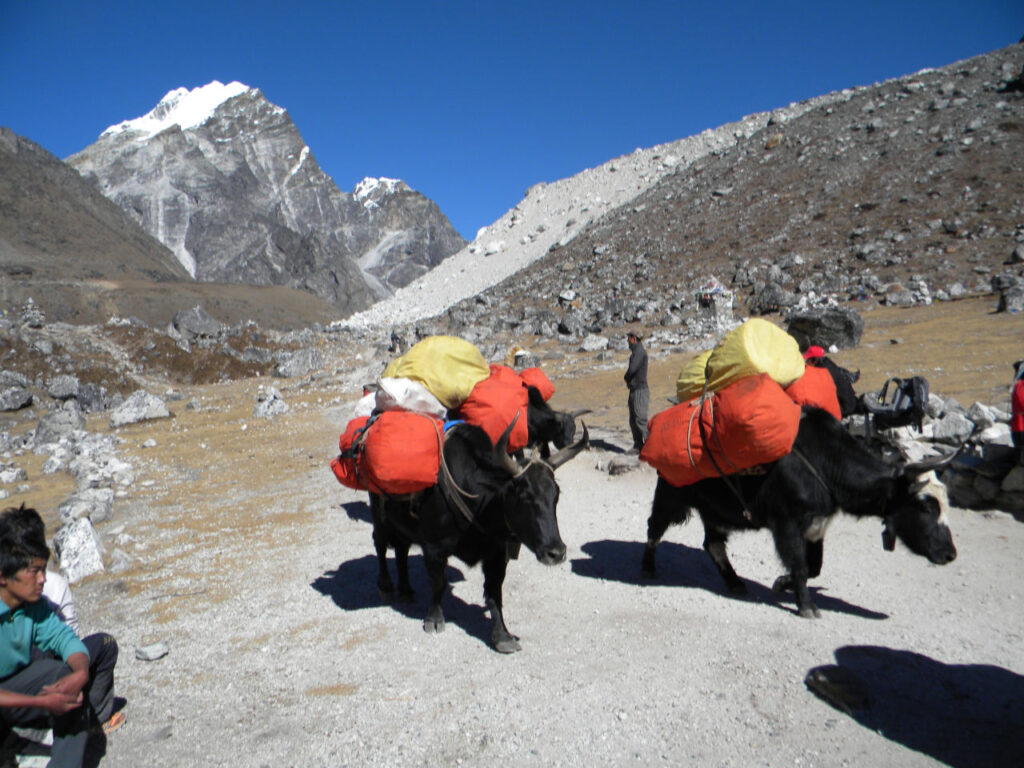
point(691, 378)
point(757, 346)
point(449, 367)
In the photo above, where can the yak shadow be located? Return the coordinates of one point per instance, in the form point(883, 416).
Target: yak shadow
point(358, 510)
point(682, 566)
point(353, 587)
point(963, 715)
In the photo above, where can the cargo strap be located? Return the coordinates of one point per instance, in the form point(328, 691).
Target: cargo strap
point(705, 398)
point(456, 494)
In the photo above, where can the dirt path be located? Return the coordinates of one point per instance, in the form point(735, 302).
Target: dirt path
point(256, 568)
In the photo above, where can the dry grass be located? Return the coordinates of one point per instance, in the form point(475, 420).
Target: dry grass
point(223, 483)
point(964, 348)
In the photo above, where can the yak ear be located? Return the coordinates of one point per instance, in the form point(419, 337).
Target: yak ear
point(570, 451)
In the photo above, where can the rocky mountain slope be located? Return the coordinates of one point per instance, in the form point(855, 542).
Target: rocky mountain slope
point(224, 179)
point(56, 229)
point(900, 192)
point(83, 260)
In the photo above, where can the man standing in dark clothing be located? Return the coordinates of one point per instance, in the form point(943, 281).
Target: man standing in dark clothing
point(639, 394)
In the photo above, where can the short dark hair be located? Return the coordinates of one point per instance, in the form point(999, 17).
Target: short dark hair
point(22, 539)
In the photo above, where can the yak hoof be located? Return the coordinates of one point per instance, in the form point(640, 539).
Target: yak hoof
point(810, 612)
point(647, 564)
point(507, 644)
point(783, 583)
point(433, 625)
point(387, 595)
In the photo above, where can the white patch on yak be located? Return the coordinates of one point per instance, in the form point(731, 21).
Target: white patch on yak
point(929, 484)
point(816, 530)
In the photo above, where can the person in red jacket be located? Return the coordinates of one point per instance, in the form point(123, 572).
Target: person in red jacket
point(1017, 409)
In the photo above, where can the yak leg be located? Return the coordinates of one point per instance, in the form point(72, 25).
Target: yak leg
point(666, 509)
point(714, 544)
point(814, 551)
point(793, 551)
point(405, 591)
point(385, 587)
point(434, 622)
point(494, 576)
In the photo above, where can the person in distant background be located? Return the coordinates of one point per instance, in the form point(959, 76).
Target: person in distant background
point(1017, 409)
point(814, 353)
point(639, 394)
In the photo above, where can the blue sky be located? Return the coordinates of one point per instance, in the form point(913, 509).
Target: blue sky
point(469, 102)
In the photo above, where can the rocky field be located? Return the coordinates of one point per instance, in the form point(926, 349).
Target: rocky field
point(231, 542)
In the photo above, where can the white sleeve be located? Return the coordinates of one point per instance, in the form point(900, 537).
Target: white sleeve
point(58, 594)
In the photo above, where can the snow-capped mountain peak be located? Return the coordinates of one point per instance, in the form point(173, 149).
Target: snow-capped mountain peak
point(370, 190)
point(182, 107)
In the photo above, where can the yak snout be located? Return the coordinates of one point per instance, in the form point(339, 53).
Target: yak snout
point(552, 554)
point(943, 550)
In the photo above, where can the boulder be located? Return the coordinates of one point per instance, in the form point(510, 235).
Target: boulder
point(270, 404)
point(56, 426)
point(197, 323)
point(14, 398)
point(63, 387)
point(1011, 299)
point(826, 327)
point(952, 429)
point(78, 549)
point(140, 406)
point(299, 363)
point(96, 504)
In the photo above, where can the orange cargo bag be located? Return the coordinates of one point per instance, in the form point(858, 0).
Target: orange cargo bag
point(816, 387)
point(494, 403)
point(344, 465)
point(535, 377)
point(398, 452)
point(750, 422)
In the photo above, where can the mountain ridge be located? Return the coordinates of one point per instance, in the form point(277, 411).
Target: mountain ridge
point(238, 196)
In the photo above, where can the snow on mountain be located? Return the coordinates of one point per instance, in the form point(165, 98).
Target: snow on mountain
point(182, 107)
point(553, 214)
point(369, 191)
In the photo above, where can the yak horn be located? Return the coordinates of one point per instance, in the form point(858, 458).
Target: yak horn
point(936, 462)
point(501, 449)
point(577, 414)
point(570, 451)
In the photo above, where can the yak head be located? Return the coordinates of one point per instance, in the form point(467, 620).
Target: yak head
point(548, 425)
point(917, 516)
point(529, 501)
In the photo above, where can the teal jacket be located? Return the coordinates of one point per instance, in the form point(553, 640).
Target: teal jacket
point(33, 624)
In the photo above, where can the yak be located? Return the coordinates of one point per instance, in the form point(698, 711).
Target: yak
point(546, 425)
point(483, 506)
point(844, 380)
point(797, 496)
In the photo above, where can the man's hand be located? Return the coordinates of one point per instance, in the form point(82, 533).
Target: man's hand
point(69, 685)
point(57, 703)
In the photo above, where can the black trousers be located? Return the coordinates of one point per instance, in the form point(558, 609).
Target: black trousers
point(70, 730)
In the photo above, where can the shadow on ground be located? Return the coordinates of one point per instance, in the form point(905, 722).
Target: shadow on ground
point(353, 587)
point(359, 511)
point(683, 566)
point(963, 715)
